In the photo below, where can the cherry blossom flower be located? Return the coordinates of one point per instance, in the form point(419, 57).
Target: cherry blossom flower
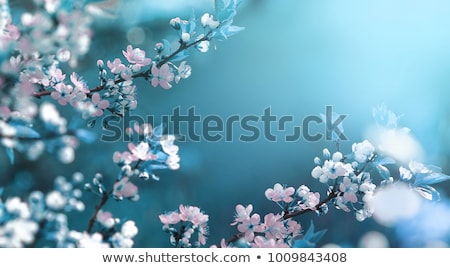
point(106, 219)
point(341, 203)
point(168, 146)
point(249, 226)
point(363, 151)
point(184, 71)
point(136, 57)
point(292, 227)
point(273, 227)
point(349, 189)
point(99, 104)
point(192, 214)
point(242, 213)
point(162, 76)
point(310, 201)
point(116, 66)
point(331, 170)
point(55, 74)
point(262, 242)
point(279, 193)
point(129, 229)
point(207, 20)
point(140, 152)
point(94, 240)
point(79, 83)
point(63, 93)
point(170, 218)
point(125, 189)
point(17, 233)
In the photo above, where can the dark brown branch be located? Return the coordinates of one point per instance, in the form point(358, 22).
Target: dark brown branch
point(98, 207)
point(183, 46)
point(330, 197)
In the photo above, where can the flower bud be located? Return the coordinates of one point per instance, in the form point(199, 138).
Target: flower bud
point(175, 23)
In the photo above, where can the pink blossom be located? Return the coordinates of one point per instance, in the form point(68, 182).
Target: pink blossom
point(349, 189)
point(192, 214)
point(137, 57)
point(79, 84)
point(105, 218)
point(310, 201)
point(116, 66)
point(249, 226)
point(63, 93)
point(140, 152)
point(262, 242)
point(162, 76)
point(99, 104)
point(278, 193)
point(242, 213)
point(56, 75)
point(124, 157)
point(273, 226)
point(170, 218)
point(125, 189)
point(203, 232)
point(292, 227)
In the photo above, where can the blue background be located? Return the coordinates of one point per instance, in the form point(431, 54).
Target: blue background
point(296, 57)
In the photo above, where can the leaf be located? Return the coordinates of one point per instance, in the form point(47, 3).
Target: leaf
point(430, 178)
point(26, 132)
point(428, 192)
point(227, 11)
point(85, 135)
point(383, 171)
point(232, 30)
point(219, 5)
point(167, 46)
point(310, 239)
point(158, 131)
point(180, 56)
point(383, 160)
point(10, 153)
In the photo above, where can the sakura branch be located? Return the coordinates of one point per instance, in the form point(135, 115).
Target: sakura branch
point(36, 70)
point(35, 83)
point(358, 182)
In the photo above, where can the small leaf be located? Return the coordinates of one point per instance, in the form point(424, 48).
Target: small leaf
point(180, 56)
point(26, 132)
point(167, 46)
point(219, 5)
point(232, 30)
point(85, 135)
point(310, 239)
point(383, 160)
point(428, 192)
point(383, 171)
point(158, 131)
point(432, 178)
point(10, 153)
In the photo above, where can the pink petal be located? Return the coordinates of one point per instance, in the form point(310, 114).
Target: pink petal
point(95, 98)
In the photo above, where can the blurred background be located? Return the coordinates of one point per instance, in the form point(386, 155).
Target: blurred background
point(296, 57)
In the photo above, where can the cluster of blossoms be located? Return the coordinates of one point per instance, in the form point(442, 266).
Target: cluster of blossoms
point(58, 32)
point(42, 220)
point(37, 52)
point(274, 231)
point(151, 151)
point(50, 133)
point(112, 233)
point(188, 227)
point(357, 182)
